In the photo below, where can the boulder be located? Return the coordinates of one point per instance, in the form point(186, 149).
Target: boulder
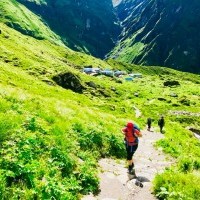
point(175, 105)
point(136, 94)
point(49, 82)
point(161, 99)
point(171, 83)
point(173, 95)
point(68, 80)
point(113, 88)
point(185, 101)
point(104, 93)
point(91, 84)
point(196, 132)
point(118, 81)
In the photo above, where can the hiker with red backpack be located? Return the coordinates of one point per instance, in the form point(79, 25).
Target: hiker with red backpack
point(131, 133)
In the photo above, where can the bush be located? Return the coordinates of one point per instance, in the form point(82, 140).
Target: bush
point(116, 146)
point(2, 184)
point(172, 185)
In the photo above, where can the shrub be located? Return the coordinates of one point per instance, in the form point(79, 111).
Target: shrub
point(172, 185)
point(116, 146)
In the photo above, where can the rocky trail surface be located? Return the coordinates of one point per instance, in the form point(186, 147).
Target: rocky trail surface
point(115, 184)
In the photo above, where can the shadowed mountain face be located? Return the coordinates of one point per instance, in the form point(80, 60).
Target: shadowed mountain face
point(160, 32)
point(84, 25)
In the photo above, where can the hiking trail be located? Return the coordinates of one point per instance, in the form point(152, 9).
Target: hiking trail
point(114, 181)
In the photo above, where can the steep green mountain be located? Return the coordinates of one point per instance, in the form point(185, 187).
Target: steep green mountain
point(154, 32)
point(20, 18)
point(160, 32)
point(50, 136)
point(89, 26)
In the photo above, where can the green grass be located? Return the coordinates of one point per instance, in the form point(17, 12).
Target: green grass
point(45, 149)
point(19, 17)
point(50, 137)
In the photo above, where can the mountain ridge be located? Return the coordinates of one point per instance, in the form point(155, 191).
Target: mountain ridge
point(160, 33)
point(87, 26)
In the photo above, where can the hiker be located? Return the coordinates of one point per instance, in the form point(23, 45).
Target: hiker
point(161, 123)
point(131, 133)
point(149, 120)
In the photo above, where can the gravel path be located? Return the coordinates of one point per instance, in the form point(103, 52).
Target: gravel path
point(114, 181)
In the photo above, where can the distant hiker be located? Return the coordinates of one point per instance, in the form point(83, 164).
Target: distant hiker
point(131, 133)
point(149, 120)
point(161, 123)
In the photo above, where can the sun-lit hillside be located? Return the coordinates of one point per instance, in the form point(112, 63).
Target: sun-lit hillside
point(51, 138)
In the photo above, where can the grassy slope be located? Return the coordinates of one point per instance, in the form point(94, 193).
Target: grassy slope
point(48, 133)
point(19, 17)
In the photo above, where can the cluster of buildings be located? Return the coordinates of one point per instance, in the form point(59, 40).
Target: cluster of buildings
point(111, 73)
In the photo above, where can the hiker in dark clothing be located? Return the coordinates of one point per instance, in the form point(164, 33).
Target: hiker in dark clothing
point(149, 123)
point(161, 123)
point(131, 133)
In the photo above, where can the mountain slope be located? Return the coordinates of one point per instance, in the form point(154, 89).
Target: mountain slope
point(44, 128)
point(52, 137)
point(20, 18)
point(88, 26)
point(159, 32)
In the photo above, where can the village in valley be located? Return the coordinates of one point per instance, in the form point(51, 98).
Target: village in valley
point(111, 73)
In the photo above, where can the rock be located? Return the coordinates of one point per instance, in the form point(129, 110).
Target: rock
point(88, 66)
point(68, 80)
point(136, 94)
point(183, 112)
point(113, 88)
point(161, 99)
point(171, 83)
point(104, 93)
point(196, 132)
point(91, 84)
point(173, 95)
point(175, 105)
point(7, 60)
point(118, 81)
point(112, 107)
point(49, 82)
point(185, 101)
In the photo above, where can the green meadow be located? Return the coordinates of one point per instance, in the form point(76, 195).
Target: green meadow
point(51, 138)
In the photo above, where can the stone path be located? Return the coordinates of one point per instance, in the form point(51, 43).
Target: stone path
point(114, 180)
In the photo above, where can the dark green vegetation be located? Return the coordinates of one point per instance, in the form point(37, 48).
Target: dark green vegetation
point(88, 26)
point(51, 138)
point(150, 32)
point(160, 32)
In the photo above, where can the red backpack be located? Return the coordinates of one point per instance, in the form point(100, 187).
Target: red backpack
point(131, 131)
